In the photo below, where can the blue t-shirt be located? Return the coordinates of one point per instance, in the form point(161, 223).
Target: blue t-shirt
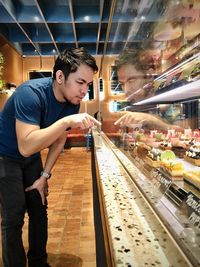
point(33, 102)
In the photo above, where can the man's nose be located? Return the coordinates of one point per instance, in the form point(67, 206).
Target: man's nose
point(84, 88)
point(127, 89)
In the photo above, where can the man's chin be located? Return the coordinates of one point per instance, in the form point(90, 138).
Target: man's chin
point(76, 101)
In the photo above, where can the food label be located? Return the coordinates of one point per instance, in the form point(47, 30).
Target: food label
point(193, 205)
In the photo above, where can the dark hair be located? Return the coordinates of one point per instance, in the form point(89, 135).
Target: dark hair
point(70, 59)
point(138, 58)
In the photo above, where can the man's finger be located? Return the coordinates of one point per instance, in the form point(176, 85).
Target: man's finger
point(43, 198)
point(29, 188)
point(118, 121)
point(94, 120)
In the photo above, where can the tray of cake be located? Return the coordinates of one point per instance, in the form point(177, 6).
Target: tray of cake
point(153, 158)
point(171, 165)
point(192, 154)
point(193, 177)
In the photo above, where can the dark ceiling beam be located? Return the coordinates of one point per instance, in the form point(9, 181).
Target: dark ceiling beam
point(73, 22)
point(47, 26)
point(8, 5)
point(99, 27)
point(107, 34)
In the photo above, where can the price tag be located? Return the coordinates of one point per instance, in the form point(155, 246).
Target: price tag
point(164, 181)
point(193, 207)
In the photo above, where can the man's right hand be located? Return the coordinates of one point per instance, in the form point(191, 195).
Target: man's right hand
point(81, 120)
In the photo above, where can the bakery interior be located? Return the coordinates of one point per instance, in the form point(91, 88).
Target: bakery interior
point(146, 196)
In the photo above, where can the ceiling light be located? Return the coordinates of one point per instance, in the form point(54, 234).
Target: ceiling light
point(87, 18)
point(36, 18)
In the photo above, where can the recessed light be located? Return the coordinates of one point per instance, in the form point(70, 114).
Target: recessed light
point(36, 18)
point(87, 18)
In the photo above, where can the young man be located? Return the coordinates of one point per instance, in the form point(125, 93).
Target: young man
point(35, 117)
point(132, 69)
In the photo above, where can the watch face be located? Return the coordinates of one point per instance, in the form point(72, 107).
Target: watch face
point(45, 174)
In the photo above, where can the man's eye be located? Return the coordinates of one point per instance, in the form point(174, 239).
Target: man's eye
point(80, 82)
point(132, 81)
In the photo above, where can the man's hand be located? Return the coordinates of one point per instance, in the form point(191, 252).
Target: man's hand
point(82, 120)
point(41, 185)
point(131, 118)
point(147, 120)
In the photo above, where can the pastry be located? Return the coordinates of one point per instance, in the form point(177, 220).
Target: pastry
point(193, 177)
point(153, 157)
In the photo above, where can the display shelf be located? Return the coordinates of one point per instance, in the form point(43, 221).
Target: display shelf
point(140, 231)
point(185, 92)
point(158, 190)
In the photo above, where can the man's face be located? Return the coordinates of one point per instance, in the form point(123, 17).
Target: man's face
point(75, 87)
point(131, 80)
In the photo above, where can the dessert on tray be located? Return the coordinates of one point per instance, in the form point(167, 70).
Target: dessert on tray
point(193, 177)
point(156, 140)
point(170, 165)
point(193, 154)
point(179, 151)
point(153, 157)
point(174, 168)
point(166, 145)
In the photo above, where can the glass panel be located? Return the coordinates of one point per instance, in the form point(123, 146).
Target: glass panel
point(152, 47)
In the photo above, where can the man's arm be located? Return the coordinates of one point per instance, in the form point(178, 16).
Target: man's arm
point(32, 139)
point(41, 183)
point(54, 151)
point(148, 120)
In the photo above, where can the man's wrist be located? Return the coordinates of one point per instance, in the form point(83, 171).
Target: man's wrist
point(45, 174)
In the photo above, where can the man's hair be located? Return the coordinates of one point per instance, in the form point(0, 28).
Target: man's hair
point(70, 59)
point(136, 57)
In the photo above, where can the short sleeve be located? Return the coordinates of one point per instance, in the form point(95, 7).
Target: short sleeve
point(27, 106)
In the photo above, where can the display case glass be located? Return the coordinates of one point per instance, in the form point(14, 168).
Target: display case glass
point(159, 74)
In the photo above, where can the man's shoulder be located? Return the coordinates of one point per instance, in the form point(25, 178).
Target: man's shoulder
point(35, 86)
point(36, 83)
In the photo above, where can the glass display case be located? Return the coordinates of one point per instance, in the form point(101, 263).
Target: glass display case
point(163, 166)
point(149, 218)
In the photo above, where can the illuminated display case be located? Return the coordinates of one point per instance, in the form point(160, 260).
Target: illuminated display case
point(171, 45)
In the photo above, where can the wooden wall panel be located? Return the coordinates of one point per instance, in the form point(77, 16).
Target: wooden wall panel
point(13, 67)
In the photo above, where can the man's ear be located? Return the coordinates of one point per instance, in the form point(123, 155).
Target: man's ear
point(59, 76)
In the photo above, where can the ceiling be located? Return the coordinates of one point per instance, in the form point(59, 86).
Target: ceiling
point(103, 27)
point(42, 27)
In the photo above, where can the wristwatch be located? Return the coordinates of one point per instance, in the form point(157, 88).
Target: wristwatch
point(47, 175)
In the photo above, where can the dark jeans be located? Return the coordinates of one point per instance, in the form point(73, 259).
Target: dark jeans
point(15, 176)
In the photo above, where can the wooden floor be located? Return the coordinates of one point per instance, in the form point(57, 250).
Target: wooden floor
point(71, 240)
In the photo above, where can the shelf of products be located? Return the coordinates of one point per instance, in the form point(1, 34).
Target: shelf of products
point(143, 222)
